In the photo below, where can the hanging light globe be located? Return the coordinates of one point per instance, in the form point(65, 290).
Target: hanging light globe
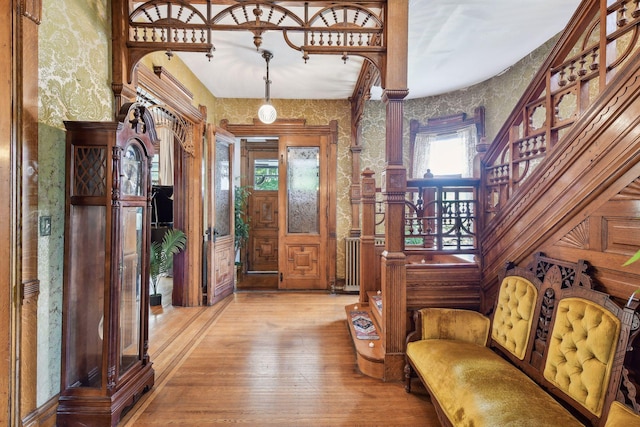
point(267, 113)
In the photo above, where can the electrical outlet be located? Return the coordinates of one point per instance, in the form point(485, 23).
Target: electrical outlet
point(45, 225)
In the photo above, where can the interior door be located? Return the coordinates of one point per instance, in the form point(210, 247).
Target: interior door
point(262, 254)
point(303, 207)
point(218, 265)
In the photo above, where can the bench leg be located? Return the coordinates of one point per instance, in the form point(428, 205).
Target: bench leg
point(407, 378)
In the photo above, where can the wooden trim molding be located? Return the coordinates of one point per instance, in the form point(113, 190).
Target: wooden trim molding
point(44, 416)
point(162, 73)
point(32, 9)
point(167, 89)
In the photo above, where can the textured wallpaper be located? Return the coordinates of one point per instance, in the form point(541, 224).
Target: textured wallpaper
point(75, 69)
point(74, 84)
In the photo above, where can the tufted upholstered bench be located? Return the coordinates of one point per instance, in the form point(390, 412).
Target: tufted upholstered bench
point(551, 354)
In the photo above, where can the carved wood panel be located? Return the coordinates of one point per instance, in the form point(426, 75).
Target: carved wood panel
point(224, 269)
point(302, 261)
point(263, 250)
point(263, 211)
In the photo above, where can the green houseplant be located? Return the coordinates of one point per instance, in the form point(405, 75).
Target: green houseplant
point(241, 221)
point(161, 259)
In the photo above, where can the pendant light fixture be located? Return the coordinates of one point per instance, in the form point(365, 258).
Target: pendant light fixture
point(267, 113)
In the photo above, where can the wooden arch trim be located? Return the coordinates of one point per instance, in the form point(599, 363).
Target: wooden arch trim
point(331, 28)
point(163, 115)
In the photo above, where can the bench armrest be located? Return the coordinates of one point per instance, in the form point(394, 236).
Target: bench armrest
point(450, 324)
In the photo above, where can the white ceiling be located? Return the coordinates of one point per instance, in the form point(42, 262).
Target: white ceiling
point(453, 44)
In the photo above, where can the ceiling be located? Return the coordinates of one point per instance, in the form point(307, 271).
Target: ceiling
point(453, 44)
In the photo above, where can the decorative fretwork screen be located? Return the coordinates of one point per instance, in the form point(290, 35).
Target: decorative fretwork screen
point(338, 28)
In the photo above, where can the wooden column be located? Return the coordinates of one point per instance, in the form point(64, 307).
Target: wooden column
point(355, 193)
point(367, 239)
point(393, 273)
point(188, 205)
point(394, 181)
point(123, 88)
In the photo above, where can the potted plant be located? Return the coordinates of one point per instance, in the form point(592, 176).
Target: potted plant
point(161, 259)
point(241, 221)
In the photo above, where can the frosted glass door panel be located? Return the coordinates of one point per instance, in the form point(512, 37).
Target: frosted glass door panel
point(131, 282)
point(223, 191)
point(303, 183)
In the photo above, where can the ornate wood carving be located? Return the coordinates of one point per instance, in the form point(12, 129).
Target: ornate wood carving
point(557, 273)
point(338, 28)
point(630, 192)
point(559, 96)
point(578, 237)
point(543, 326)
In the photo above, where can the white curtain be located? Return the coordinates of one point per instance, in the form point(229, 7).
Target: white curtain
point(469, 137)
point(421, 151)
point(424, 154)
point(165, 134)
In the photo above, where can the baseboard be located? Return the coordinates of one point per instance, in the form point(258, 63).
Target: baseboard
point(44, 416)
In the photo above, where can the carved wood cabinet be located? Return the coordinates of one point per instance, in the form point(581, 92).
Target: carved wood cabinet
point(105, 364)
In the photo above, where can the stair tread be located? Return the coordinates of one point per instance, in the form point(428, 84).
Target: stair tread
point(363, 348)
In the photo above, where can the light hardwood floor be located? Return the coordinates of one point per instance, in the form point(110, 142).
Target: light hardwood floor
point(267, 359)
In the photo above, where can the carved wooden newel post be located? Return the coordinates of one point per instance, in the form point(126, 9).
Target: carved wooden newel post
point(367, 239)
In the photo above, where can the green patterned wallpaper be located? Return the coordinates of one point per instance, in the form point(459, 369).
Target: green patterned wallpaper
point(74, 84)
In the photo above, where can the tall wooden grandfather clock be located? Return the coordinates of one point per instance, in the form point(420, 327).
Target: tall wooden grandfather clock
point(105, 364)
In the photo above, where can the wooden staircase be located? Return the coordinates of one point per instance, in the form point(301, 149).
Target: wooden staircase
point(369, 353)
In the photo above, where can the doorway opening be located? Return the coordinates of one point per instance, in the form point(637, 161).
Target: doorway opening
point(292, 206)
point(260, 173)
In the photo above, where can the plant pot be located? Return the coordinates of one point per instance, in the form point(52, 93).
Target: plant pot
point(155, 299)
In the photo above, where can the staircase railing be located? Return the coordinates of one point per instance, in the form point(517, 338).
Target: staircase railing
point(600, 39)
point(441, 215)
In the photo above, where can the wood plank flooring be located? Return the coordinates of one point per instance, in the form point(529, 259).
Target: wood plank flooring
point(267, 359)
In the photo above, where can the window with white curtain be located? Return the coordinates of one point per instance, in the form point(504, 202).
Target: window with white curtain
point(447, 154)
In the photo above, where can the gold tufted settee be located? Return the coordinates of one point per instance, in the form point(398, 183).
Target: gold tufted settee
point(550, 354)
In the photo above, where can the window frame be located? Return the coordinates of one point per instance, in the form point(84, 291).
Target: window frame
point(447, 125)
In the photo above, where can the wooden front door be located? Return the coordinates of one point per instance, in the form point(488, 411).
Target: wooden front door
point(219, 254)
point(262, 246)
point(303, 207)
